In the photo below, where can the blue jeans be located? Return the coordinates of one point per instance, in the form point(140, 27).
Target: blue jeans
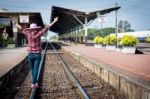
point(34, 62)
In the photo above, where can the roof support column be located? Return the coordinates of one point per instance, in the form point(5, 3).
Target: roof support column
point(81, 34)
point(15, 29)
point(86, 31)
point(83, 37)
point(71, 35)
point(77, 34)
point(79, 31)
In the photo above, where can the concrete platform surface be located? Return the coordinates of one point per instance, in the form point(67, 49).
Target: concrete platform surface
point(136, 65)
point(10, 58)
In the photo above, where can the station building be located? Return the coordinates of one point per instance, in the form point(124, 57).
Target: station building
point(7, 26)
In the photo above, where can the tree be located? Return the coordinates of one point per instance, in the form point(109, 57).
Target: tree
point(107, 31)
point(124, 26)
point(120, 26)
point(92, 32)
point(54, 37)
point(99, 32)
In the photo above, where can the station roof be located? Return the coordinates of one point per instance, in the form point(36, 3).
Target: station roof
point(67, 20)
point(34, 17)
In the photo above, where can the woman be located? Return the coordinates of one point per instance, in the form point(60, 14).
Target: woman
point(33, 35)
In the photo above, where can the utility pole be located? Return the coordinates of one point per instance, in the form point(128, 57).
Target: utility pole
point(122, 26)
point(101, 27)
point(116, 27)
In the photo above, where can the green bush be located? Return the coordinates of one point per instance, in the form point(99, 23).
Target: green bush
point(129, 40)
point(1, 41)
point(110, 40)
point(96, 39)
point(148, 39)
point(99, 40)
point(10, 40)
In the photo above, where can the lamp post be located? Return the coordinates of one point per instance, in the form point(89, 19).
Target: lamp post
point(116, 27)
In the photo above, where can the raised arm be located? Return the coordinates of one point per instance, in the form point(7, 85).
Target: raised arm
point(23, 30)
point(54, 21)
point(17, 25)
point(47, 28)
point(49, 25)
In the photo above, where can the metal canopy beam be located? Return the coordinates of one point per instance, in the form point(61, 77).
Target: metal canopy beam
point(77, 19)
point(66, 17)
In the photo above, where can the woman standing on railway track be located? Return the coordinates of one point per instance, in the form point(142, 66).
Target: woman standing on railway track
point(33, 35)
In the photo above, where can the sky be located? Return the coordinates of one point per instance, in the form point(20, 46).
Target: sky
point(134, 11)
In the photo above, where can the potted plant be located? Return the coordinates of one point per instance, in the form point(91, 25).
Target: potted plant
point(98, 42)
point(129, 43)
point(110, 42)
point(11, 42)
point(148, 39)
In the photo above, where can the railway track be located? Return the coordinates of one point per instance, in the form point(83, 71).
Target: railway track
point(62, 77)
point(55, 81)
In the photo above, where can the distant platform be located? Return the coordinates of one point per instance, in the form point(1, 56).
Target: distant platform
point(9, 58)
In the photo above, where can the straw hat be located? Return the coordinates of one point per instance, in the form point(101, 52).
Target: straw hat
point(34, 26)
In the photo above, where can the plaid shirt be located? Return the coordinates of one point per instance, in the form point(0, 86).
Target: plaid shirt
point(34, 40)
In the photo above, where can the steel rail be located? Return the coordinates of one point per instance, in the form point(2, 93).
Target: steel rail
point(71, 76)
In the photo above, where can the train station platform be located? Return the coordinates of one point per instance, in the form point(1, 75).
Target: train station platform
point(9, 58)
point(137, 65)
point(129, 73)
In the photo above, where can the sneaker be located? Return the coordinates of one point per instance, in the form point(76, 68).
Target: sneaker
point(36, 85)
point(33, 86)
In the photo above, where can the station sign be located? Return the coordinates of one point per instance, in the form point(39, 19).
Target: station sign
point(24, 19)
point(101, 18)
